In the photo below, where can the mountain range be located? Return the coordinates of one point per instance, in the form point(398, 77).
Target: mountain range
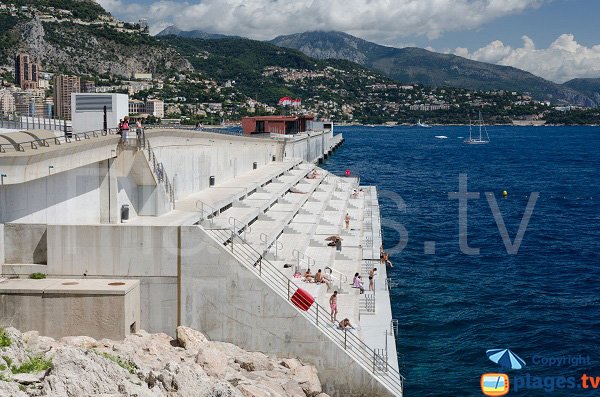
point(416, 65)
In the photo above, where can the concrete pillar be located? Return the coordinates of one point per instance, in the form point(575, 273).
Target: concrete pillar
point(109, 213)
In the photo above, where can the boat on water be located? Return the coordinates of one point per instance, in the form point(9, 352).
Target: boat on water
point(441, 137)
point(480, 140)
point(422, 125)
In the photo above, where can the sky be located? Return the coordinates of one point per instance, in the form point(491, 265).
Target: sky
point(554, 39)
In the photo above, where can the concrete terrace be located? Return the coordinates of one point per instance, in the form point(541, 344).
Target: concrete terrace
point(220, 232)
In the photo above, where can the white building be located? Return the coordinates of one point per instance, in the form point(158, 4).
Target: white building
point(156, 108)
point(87, 111)
point(7, 102)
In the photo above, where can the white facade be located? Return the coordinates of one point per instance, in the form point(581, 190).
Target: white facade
point(87, 111)
point(156, 108)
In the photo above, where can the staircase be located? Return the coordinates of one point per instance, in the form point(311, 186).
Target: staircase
point(369, 359)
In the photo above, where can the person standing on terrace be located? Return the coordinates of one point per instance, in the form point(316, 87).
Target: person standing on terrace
point(333, 306)
point(347, 219)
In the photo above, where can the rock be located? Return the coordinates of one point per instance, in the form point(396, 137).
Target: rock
point(213, 361)
point(190, 339)
point(80, 341)
point(17, 351)
point(35, 342)
point(249, 361)
point(27, 379)
point(307, 378)
point(253, 391)
point(10, 389)
point(293, 389)
point(152, 365)
point(291, 363)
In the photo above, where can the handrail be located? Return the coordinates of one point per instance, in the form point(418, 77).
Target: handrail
point(33, 144)
point(301, 255)
point(245, 227)
point(211, 213)
point(367, 357)
point(159, 171)
point(342, 277)
point(277, 244)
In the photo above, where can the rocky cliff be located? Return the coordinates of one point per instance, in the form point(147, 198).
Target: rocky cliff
point(96, 50)
point(146, 365)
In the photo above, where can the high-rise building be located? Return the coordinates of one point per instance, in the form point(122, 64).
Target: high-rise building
point(156, 108)
point(7, 102)
point(64, 86)
point(27, 72)
point(88, 86)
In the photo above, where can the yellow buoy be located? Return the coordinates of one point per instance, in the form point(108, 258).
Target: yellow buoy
point(504, 193)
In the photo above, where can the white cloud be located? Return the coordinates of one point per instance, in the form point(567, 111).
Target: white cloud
point(380, 20)
point(563, 60)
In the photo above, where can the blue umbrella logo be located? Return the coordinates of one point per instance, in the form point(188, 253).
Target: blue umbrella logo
point(505, 358)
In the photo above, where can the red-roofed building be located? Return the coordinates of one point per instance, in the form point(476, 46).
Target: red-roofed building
point(276, 124)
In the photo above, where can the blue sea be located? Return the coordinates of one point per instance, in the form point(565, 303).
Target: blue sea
point(542, 303)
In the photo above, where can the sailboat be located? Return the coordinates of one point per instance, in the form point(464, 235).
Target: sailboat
point(422, 125)
point(480, 140)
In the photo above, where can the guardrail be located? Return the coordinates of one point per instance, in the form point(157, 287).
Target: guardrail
point(19, 122)
point(206, 211)
point(278, 245)
point(343, 279)
point(299, 256)
point(159, 171)
point(45, 142)
point(370, 359)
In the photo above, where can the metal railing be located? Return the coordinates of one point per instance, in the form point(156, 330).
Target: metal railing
point(369, 302)
point(159, 171)
point(342, 278)
point(20, 121)
point(299, 256)
point(45, 142)
point(206, 211)
point(277, 244)
point(239, 226)
point(358, 350)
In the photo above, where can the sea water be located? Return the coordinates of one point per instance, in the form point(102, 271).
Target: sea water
point(542, 302)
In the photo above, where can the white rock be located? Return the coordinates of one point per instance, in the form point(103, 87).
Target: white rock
point(80, 341)
point(307, 378)
point(191, 339)
point(27, 379)
point(10, 389)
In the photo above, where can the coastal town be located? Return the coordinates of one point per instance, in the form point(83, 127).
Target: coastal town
point(30, 87)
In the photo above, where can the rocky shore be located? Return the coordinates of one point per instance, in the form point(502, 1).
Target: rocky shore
point(146, 365)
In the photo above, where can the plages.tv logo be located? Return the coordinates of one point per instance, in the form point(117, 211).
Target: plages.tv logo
point(497, 384)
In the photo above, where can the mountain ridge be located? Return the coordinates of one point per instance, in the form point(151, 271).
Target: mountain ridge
point(417, 65)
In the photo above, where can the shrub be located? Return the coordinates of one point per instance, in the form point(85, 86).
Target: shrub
point(125, 364)
point(37, 276)
point(35, 364)
point(4, 338)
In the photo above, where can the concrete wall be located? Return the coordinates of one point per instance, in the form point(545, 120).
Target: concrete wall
point(309, 148)
point(68, 197)
point(148, 254)
point(2, 248)
point(191, 161)
point(228, 303)
point(26, 244)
